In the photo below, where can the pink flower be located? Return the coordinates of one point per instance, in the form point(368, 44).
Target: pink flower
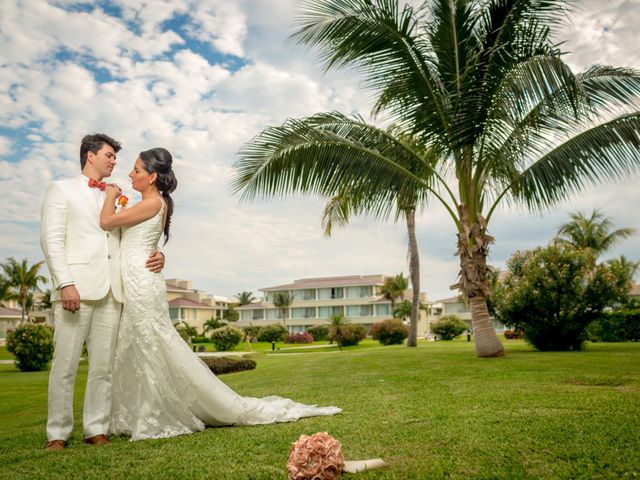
point(318, 457)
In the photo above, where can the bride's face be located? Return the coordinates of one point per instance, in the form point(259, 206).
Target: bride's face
point(140, 178)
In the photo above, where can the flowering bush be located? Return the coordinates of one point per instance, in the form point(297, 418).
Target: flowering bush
point(226, 338)
point(390, 332)
point(318, 457)
point(555, 292)
point(304, 337)
point(448, 327)
point(32, 345)
point(272, 333)
point(319, 332)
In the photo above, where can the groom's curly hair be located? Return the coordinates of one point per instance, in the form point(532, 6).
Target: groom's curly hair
point(93, 143)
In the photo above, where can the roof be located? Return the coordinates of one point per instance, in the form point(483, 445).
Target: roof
point(185, 302)
point(174, 288)
point(320, 282)
point(635, 290)
point(10, 312)
point(455, 299)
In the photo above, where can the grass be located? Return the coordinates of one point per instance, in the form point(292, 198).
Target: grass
point(283, 348)
point(434, 412)
point(4, 353)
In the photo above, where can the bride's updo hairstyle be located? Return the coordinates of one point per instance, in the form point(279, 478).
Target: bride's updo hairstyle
point(158, 160)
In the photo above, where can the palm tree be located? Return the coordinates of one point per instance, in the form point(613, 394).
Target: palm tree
point(212, 324)
point(480, 84)
point(24, 279)
point(283, 301)
point(403, 310)
point(6, 292)
point(394, 287)
point(592, 232)
point(245, 298)
point(336, 330)
point(628, 267)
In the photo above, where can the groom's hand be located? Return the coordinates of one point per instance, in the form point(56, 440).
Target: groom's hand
point(155, 262)
point(70, 298)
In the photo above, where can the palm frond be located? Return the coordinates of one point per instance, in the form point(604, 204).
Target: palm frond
point(609, 151)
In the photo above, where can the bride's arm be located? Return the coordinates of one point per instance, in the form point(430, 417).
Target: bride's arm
point(129, 216)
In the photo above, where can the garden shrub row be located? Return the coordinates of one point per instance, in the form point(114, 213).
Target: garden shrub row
point(222, 365)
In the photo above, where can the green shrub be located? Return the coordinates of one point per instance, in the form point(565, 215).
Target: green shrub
point(221, 365)
point(304, 337)
point(226, 338)
point(32, 345)
point(555, 292)
point(616, 326)
point(319, 332)
point(200, 339)
point(275, 332)
point(350, 334)
point(390, 332)
point(448, 327)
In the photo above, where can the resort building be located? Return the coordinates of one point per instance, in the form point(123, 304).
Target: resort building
point(357, 297)
point(191, 306)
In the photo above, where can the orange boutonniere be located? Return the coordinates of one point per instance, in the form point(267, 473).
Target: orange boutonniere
point(123, 200)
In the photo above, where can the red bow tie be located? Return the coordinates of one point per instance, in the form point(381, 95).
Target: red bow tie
point(96, 184)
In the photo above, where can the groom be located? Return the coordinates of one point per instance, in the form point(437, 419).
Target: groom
point(84, 262)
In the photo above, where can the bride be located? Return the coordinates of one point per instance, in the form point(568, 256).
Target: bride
point(160, 388)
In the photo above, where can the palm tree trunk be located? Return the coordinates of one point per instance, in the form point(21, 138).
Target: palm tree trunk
point(473, 248)
point(23, 303)
point(414, 272)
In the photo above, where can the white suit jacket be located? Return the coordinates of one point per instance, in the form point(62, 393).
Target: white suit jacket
point(75, 248)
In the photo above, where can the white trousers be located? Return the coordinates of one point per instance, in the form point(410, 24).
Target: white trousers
point(96, 323)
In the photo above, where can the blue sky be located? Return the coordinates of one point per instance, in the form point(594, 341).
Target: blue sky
point(203, 77)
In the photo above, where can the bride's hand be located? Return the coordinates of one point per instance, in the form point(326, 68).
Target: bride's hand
point(113, 190)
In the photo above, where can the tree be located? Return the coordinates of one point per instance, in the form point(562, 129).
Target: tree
point(231, 314)
point(5, 291)
point(402, 310)
point(592, 232)
point(245, 297)
point(25, 280)
point(482, 86)
point(283, 301)
point(555, 292)
point(338, 328)
point(393, 288)
point(213, 324)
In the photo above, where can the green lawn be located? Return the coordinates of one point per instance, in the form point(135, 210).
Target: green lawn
point(4, 353)
point(434, 412)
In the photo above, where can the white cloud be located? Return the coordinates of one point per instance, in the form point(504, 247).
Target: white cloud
point(166, 93)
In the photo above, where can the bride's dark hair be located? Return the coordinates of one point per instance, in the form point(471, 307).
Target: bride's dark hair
point(158, 160)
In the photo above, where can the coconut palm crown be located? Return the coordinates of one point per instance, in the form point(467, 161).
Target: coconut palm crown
point(481, 86)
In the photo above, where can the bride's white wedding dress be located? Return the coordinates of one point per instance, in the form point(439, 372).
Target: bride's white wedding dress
point(160, 387)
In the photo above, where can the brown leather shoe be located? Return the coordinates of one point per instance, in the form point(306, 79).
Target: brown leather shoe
point(55, 445)
point(98, 440)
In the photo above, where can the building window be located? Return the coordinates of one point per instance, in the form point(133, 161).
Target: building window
point(174, 313)
point(337, 292)
point(366, 310)
point(383, 310)
point(309, 294)
point(326, 312)
point(366, 291)
point(258, 314)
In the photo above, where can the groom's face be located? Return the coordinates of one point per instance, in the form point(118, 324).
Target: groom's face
point(103, 161)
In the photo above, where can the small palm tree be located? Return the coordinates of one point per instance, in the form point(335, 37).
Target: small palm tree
point(338, 324)
point(6, 293)
point(213, 323)
point(283, 301)
point(594, 232)
point(24, 279)
point(245, 297)
point(402, 310)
